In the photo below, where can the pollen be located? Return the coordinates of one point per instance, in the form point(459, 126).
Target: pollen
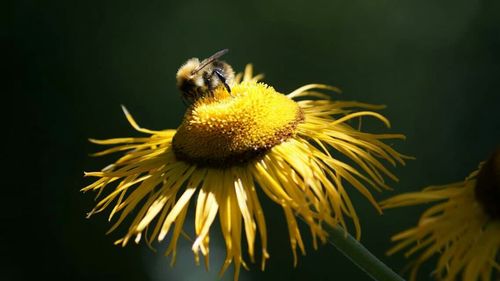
point(228, 129)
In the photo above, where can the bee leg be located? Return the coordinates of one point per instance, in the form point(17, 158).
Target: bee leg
point(222, 79)
point(207, 79)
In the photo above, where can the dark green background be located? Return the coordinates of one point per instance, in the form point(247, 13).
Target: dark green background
point(70, 64)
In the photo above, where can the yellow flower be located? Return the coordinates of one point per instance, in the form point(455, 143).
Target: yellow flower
point(463, 228)
point(232, 149)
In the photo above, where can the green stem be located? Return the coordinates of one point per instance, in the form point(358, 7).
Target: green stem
point(360, 256)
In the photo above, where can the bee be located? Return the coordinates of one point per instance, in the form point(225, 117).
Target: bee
point(197, 79)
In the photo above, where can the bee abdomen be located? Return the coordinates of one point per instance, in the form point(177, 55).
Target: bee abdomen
point(191, 91)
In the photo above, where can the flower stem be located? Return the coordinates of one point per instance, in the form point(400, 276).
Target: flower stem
point(360, 256)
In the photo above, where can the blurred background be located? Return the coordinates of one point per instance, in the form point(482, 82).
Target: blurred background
point(71, 64)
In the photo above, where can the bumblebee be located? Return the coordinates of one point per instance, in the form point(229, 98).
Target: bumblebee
point(197, 79)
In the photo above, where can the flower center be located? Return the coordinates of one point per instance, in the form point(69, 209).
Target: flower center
point(488, 186)
point(230, 129)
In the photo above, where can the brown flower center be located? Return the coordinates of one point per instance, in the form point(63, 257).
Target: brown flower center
point(488, 186)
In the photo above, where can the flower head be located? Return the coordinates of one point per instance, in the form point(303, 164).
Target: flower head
point(463, 228)
point(232, 149)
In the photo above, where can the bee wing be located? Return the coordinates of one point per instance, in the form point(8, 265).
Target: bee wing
point(209, 60)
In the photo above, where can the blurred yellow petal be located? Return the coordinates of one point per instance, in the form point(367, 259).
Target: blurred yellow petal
point(462, 228)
